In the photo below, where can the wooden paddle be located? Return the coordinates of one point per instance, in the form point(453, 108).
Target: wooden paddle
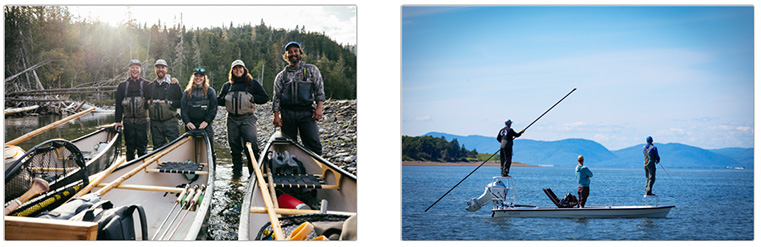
point(96, 181)
point(38, 186)
point(47, 127)
point(275, 222)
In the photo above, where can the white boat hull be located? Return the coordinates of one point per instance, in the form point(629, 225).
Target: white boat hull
point(586, 212)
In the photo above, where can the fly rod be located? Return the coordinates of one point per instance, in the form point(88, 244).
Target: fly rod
point(479, 166)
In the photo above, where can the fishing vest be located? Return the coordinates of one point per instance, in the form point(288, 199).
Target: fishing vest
point(133, 105)
point(162, 111)
point(297, 93)
point(197, 108)
point(239, 102)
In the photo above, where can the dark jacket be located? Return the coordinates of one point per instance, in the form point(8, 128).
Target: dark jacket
point(211, 110)
point(165, 91)
point(121, 92)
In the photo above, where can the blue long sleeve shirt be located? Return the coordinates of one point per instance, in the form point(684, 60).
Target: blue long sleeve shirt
point(582, 176)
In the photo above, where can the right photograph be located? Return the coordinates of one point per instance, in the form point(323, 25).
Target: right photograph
point(577, 122)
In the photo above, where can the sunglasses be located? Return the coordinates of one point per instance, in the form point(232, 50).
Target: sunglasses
point(199, 70)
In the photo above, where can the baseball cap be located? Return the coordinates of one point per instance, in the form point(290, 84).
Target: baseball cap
point(238, 62)
point(135, 61)
point(160, 62)
point(290, 44)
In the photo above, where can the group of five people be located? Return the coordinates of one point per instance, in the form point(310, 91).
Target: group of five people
point(298, 96)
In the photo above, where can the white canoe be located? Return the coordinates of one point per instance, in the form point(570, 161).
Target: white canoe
point(338, 188)
point(148, 187)
point(586, 212)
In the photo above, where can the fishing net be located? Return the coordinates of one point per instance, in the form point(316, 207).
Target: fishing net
point(59, 162)
point(290, 223)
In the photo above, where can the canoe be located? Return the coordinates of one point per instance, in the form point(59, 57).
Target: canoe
point(501, 195)
point(98, 150)
point(155, 181)
point(284, 193)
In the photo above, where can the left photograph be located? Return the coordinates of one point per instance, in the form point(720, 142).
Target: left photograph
point(180, 122)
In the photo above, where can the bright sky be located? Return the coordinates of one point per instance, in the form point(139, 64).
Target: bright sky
point(338, 22)
point(680, 74)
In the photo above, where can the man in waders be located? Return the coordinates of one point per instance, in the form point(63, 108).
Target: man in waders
point(132, 111)
point(651, 158)
point(164, 98)
point(505, 137)
point(298, 98)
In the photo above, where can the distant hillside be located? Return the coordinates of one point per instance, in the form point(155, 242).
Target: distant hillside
point(564, 153)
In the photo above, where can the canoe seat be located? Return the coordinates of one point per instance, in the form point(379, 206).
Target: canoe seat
point(87, 155)
point(297, 181)
point(552, 196)
point(180, 167)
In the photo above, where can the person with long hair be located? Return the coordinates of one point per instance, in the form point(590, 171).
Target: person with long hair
point(199, 104)
point(239, 96)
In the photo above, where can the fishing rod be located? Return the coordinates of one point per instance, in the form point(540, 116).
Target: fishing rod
point(479, 166)
point(191, 206)
point(183, 203)
point(176, 202)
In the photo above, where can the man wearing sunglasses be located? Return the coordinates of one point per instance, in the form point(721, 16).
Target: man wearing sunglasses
point(298, 98)
point(164, 98)
point(132, 111)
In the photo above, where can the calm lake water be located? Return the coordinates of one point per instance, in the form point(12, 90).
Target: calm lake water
point(229, 192)
point(711, 204)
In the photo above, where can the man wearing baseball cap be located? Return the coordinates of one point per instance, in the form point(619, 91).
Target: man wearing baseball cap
point(132, 111)
point(164, 98)
point(298, 97)
point(505, 137)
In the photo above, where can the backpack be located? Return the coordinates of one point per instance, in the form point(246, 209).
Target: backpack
point(569, 201)
point(283, 163)
point(114, 223)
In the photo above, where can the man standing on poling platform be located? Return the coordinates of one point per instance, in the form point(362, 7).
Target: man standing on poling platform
point(164, 96)
point(505, 137)
point(132, 111)
point(651, 158)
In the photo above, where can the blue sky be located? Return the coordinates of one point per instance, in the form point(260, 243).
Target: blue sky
point(680, 74)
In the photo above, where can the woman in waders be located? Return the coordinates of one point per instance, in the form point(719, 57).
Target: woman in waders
point(199, 105)
point(239, 96)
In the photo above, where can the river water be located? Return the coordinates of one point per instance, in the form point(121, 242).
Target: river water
point(711, 204)
point(229, 192)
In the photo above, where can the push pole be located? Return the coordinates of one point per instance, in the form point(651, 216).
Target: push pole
point(479, 166)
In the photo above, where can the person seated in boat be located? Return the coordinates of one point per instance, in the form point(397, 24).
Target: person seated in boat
point(505, 137)
point(239, 96)
point(583, 175)
point(199, 104)
point(132, 111)
point(164, 96)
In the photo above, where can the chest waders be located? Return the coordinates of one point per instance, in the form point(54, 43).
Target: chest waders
point(162, 111)
point(297, 94)
point(239, 103)
point(133, 105)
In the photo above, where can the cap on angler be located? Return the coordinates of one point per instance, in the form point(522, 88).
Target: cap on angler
point(292, 43)
point(135, 61)
point(649, 139)
point(238, 62)
point(160, 62)
point(508, 122)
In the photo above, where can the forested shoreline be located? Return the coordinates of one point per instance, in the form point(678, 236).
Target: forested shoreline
point(428, 148)
point(67, 51)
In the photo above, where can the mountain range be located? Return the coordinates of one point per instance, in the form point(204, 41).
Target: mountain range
point(564, 153)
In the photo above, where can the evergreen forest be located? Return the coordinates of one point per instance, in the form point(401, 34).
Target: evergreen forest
point(69, 51)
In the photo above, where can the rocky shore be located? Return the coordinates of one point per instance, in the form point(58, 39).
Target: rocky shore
point(338, 131)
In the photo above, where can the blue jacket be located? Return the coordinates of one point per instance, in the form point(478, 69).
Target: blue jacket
point(582, 176)
point(651, 154)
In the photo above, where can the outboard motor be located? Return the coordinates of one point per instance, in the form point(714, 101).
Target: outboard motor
point(496, 190)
